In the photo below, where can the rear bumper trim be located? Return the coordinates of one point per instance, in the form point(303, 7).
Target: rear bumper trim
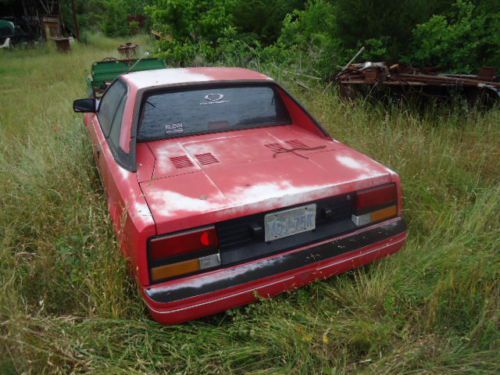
point(281, 263)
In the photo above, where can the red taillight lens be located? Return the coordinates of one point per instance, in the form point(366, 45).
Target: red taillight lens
point(377, 197)
point(183, 243)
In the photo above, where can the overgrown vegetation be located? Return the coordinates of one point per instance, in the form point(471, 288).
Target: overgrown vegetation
point(116, 18)
point(67, 305)
point(457, 35)
point(453, 35)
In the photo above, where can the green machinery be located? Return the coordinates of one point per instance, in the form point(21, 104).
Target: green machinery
point(106, 71)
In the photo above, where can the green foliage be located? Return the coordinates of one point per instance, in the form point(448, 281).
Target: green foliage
point(262, 19)
point(191, 29)
point(459, 36)
point(463, 40)
point(89, 14)
point(315, 36)
point(191, 20)
point(310, 34)
point(211, 31)
point(115, 18)
point(109, 16)
point(384, 24)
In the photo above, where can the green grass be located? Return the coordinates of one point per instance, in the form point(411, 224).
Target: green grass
point(67, 304)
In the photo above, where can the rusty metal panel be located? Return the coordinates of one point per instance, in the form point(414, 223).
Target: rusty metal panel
point(380, 74)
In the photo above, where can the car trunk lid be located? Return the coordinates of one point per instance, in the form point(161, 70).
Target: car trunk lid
point(201, 180)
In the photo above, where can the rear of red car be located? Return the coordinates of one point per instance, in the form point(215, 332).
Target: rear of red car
point(250, 198)
point(229, 264)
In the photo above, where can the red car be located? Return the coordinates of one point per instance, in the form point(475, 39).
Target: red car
point(223, 189)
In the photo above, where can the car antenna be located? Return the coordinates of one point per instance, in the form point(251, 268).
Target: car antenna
point(146, 54)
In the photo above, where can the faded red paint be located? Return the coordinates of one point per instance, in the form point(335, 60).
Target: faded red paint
point(247, 178)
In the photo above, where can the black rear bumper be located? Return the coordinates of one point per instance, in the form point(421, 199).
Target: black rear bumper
point(277, 264)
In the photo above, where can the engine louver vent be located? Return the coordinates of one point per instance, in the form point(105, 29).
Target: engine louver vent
point(181, 162)
point(206, 159)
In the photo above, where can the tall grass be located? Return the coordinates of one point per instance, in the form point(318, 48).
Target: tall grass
point(67, 304)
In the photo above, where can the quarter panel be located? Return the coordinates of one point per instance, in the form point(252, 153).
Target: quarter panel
point(130, 216)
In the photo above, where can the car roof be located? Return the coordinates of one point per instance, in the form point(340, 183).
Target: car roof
point(180, 76)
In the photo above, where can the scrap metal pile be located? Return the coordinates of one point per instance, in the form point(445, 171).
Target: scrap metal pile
point(371, 77)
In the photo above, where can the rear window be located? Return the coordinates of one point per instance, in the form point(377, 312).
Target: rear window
point(205, 110)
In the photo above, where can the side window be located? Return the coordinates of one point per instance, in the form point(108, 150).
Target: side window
point(109, 105)
point(116, 125)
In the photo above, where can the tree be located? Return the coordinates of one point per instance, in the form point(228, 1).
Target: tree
point(463, 40)
point(383, 25)
point(263, 19)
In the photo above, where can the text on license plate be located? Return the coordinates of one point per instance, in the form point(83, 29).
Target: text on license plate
point(289, 222)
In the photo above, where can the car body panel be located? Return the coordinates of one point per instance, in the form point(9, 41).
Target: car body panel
point(232, 148)
point(130, 215)
point(249, 177)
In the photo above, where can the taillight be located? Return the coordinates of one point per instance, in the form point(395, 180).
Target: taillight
point(375, 204)
point(183, 243)
point(183, 253)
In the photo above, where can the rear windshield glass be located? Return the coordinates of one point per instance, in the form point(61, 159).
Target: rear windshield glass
point(196, 111)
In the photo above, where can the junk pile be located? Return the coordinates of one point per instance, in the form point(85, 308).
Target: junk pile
point(371, 77)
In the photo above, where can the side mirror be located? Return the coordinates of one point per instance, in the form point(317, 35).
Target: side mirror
point(84, 105)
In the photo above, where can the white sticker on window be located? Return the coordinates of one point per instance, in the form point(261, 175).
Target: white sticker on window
point(174, 128)
point(213, 98)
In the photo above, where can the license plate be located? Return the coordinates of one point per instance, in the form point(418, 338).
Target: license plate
point(289, 222)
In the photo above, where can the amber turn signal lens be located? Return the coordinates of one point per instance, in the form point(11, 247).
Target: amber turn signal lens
point(168, 271)
point(375, 216)
point(384, 213)
point(175, 269)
